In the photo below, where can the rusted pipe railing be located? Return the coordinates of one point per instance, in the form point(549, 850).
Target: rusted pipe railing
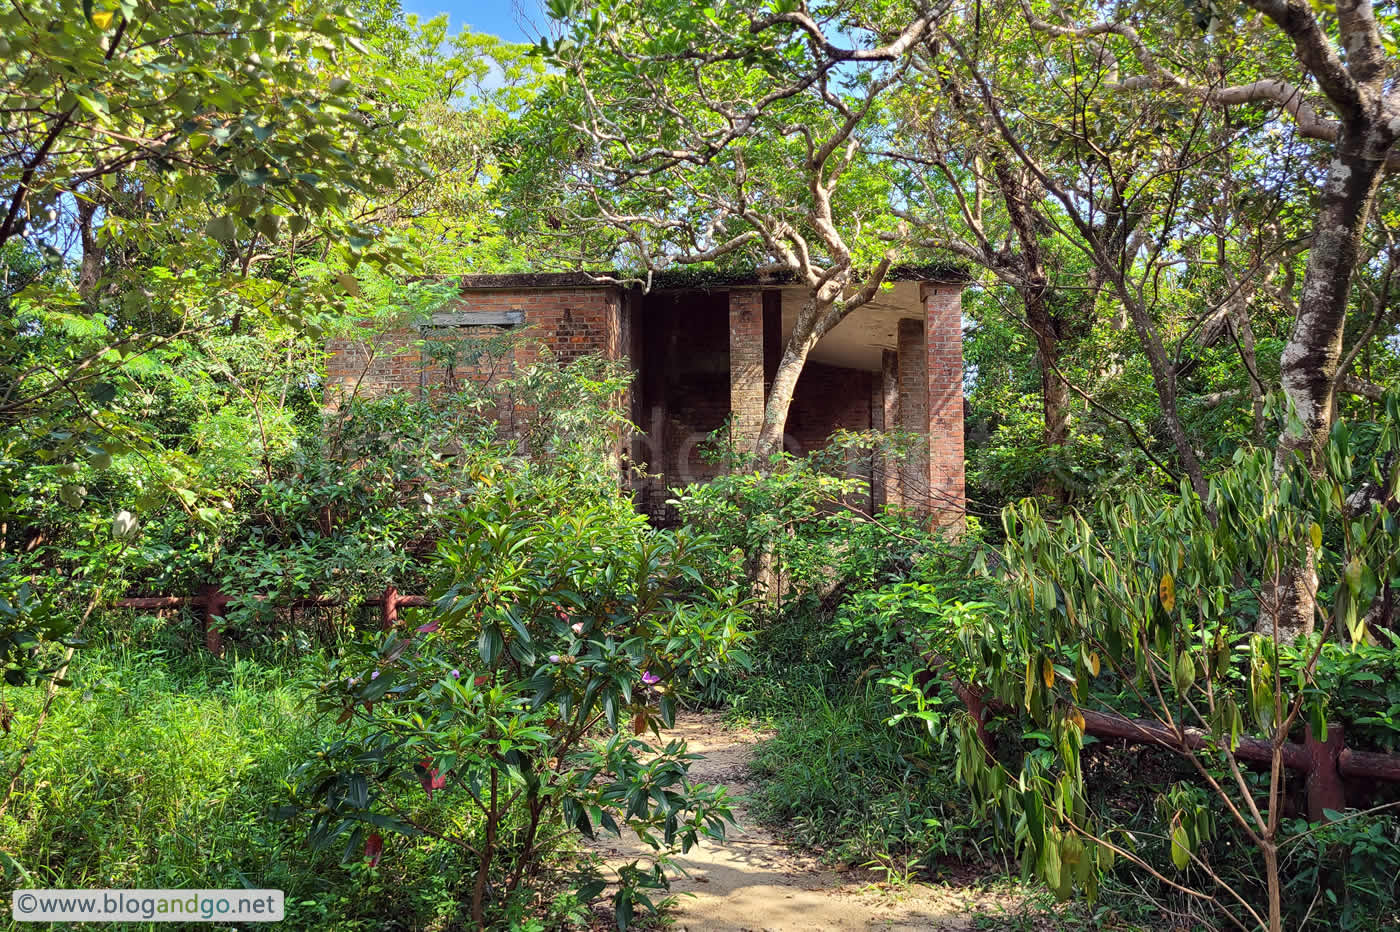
point(214, 604)
point(1326, 765)
point(1108, 725)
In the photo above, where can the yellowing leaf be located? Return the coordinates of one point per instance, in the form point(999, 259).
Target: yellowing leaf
point(1185, 673)
point(1315, 532)
point(1167, 592)
point(1181, 852)
point(1047, 672)
point(1094, 662)
point(102, 19)
point(1353, 573)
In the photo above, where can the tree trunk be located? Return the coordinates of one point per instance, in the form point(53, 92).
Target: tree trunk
point(1054, 392)
point(90, 271)
point(810, 326)
point(1310, 360)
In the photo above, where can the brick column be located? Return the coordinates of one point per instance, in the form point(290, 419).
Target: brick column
point(746, 367)
point(887, 409)
point(913, 412)
point(943, 324)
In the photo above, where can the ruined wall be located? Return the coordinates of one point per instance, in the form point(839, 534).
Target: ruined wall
point(571, 322)
point(698, 356)
point(827, 399)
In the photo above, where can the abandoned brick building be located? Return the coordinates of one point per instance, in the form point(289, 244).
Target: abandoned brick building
point(703, 352)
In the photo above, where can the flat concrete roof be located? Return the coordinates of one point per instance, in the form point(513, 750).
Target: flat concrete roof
point(691, 279)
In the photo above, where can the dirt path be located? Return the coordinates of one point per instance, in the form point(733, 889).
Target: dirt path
point(755, 883)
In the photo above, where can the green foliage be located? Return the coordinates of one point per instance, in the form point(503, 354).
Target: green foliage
point(795, 527)
point(1150, 617)
point(841, 779)
point(561, 627)
point(1350, 868)
point(162, 768)
point(1362, 684)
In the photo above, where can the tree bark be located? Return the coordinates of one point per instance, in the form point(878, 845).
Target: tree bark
point(775, 411)
point(1310, 360)
point(90, 270)
point(1035, 294)
point(1309, 365)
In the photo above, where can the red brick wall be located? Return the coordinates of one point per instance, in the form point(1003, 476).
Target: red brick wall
point(887, 479)
point(943, 324)
point(827, 399)
point(571, 322)
point(913, 413)
point(683, 389)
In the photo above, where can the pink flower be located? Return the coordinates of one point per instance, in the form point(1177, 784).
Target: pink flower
point(553, 658)
point(431, 779)
point(374, 847)
point(374, 675)
point(577, 628)
point(650, 678)
point(456, 675)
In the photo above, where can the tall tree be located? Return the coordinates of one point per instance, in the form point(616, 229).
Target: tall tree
point(712, 136)
point(1331, 76)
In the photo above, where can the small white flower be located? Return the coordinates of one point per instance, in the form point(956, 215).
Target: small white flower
point(124, 525)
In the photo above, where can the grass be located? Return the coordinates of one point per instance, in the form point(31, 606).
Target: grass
point(842, 780)
point(157, 768)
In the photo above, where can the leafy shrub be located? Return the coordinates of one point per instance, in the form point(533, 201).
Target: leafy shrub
point(794, 527)
point(1348, 870)
point(1158, 610)
point(159, 769)
point(512, 716)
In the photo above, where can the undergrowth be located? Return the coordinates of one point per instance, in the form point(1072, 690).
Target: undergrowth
point(842, 781)
point(159, 768)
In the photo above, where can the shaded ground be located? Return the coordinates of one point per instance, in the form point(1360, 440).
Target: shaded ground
point(756, 883)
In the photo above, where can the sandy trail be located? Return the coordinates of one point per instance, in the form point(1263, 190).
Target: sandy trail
point(756, 883)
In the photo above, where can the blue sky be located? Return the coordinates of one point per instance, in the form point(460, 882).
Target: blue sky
point(501, 18)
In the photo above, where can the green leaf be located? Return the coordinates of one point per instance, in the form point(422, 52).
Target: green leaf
point(91, 106)
point(490, 645)
point(221, 229)
point(1184, 676)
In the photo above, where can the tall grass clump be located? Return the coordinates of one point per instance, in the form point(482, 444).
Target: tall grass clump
point(159, 768)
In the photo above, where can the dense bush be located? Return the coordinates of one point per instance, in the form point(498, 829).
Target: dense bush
point(1170, 609)
point(564, 630)
point(160, 768)
point(561, 628)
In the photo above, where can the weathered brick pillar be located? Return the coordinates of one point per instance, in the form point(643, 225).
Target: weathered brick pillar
point(913, 413)
point(746, 367)
point(943, 324)
point(887, 467)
